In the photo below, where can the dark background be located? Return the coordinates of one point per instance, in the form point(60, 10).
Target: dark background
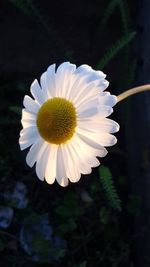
point(96, 222)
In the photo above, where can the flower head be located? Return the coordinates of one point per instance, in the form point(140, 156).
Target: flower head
point(66, 123)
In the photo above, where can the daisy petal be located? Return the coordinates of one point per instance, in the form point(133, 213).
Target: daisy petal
point(90, 104)
point(60, 169)
point(107, 139)
point(85, 94)
point(28, 116)
point(50, 79)
point(28, 136)
point(90, 148)
point(50, 172)
point(104, 111)
point(100, 126)
point(71, 167)
point(64, 78)
point(103, 84)
point(101, 152)
point(89, 112)
point(33, 152)
point(103, 139)
point(109, 126)
point(28, 119)
point(41, 161)
point(30, 104)
point(89, 125)
point(89, 140)
point(107, 99)
point(80, 160)
point(90, 73)
point(37, 92)
point(43, 82)
point(88, 152)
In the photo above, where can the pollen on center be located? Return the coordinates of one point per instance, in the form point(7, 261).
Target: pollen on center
point(56, 120)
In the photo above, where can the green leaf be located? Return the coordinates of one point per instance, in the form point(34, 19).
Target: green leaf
point(108, 185)
point(125, 16)
point(107, 13)
point(114, 49)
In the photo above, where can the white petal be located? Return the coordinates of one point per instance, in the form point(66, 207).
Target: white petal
point(92, 74)
point(96, 113)
point(28, 116)
point(99, 126)
point(88, 94)
point(28, 119)
point(104, 111)
point(37, 92)
point(82, 91)
point(30, 104)
point(106, 99)
point(88, 105)
point(71, 166)
point(28, 136)
point(103, 84)
point(77, 87)
point(87, 113)
point(98, 149)
point(103, 139)
point(109, 126)
point(80, 159)
point(50, 79)
point(28, 123)
point(83, 68)
point(64, 78)
point(94, 162)
point(28, 132)
point(61, 175)
point(43, 82)
point(42, 161)
point(107, 139)
point(88, 152)
point(50, 172)
point(90, 125)
point(33, 152)
point(86, 145)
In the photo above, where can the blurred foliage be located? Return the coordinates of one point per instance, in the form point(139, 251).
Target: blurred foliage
point(114, 49)
point(108, 185)
point(87, 216)
point(32, 9)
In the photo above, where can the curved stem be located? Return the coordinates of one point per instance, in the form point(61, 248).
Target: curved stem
point(133, 91)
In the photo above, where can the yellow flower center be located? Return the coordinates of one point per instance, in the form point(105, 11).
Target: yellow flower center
point(56, 120)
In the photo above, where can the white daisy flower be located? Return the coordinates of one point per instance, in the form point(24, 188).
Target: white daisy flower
point(65, 124)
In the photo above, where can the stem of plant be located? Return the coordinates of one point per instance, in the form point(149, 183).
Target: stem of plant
point(133, 91)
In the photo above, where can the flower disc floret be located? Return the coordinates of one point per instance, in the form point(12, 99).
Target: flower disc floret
point(56, 120)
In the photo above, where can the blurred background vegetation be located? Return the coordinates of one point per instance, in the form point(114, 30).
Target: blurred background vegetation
point(88, 224)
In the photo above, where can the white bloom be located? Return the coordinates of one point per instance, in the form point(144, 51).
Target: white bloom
point(65, 124)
